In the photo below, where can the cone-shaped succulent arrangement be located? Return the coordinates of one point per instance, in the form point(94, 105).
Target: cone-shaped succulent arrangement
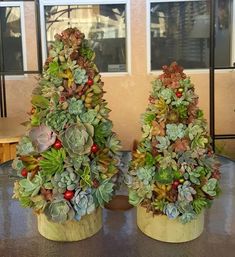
point(67, 161)
point(173, 171)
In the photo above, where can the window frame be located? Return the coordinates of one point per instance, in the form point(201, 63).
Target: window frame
point(23, 37)
point(189, 71)
point(44, 3)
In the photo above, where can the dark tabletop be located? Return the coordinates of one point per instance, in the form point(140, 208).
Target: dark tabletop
point(119, 236)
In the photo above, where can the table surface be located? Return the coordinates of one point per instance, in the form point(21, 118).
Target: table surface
point(11, 130)
point(119, 236)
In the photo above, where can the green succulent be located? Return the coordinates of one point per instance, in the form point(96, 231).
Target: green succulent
point(182, 111)
point(77, 161)
point(103, 193)
point(146, 129)
point(113, 144)
point(39, 203)
point(83, 203)
point(167, 95)
point(77, 139)
point(187, 217)
point(164, 176)
point(53, 69)
point(42, 138)
point(194, 130)
point(80, 76)
point(210, 187)
point(186, 209)
point(86, 177)
point(89, 117)
point(40, 101)
point(134, 198)
point(29, 188)
point(59, 210)
point(163, 143)
point(175, 131)
point(53, 161)
point(167, 160)
point(57, 120)
point(199, 141)
point(145, 174)
point(66, 180)
point(17, 164)
point(102, 131)
point(75, 106)
point(159, 204)
point(148, 117)
point(157, 86)
point(25, 147)
point(199, 204)
point(87, 52)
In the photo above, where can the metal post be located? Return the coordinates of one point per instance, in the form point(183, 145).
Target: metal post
point(212, 72)
point(38, 31)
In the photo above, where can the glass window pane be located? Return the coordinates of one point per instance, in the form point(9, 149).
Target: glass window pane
point(103, 25)
point(11, 38)
point(180, 32)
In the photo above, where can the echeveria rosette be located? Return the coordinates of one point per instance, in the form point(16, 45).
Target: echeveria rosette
point(59, 210)
point(176, 145)
point(83, 203)
point(78, 138)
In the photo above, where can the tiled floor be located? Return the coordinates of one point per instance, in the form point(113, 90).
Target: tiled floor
point(119, 237)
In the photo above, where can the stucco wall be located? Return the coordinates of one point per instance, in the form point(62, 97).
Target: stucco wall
point(128, 95)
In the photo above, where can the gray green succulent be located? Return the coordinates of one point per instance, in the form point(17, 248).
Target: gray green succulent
point(103, 193)
point(163, 143)
point(75, 106)
point(83, 203)
point(59, 210)
point(57, 120)
point(145, 174)
point(171, 211)
point(25, 147)
point(67, 180)
point(77, 139)
point(210, 187)
point(175, 131)
point(80, 76)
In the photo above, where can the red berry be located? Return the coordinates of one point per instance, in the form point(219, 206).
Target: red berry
point(90, 82)
point(178, 94)
point(175, 184)
point(94, 148)
point(24, 172)
point(68, 195)
point(57, 145)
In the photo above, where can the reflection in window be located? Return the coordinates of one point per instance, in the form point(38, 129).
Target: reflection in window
point(180, 31)
point(11, 39)
point(103, 25)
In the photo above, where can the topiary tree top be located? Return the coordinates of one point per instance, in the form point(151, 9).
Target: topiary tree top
point(67, 161)
point(173, 171)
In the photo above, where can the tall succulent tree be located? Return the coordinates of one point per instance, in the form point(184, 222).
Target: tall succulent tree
point(173, 171)
point(67, 162)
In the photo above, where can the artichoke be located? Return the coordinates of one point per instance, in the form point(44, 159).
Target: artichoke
point(77, 139)
point(67, 180)
point(59, 210)
point(83, 203)
point(42, 138)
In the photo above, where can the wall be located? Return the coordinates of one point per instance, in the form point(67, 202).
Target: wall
point(128, 95)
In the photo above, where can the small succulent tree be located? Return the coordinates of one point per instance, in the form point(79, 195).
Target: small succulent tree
point(67, 162)
point(173, 171)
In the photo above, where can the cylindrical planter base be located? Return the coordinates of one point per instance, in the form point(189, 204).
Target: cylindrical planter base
point(161, 228)
point(70, 230)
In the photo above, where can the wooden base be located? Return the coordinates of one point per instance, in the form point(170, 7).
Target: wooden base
point(70, 230)
point(161, 228)
point(119, 203)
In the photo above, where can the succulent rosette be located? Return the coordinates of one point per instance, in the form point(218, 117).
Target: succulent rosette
point(173, 171)
point(67, 163)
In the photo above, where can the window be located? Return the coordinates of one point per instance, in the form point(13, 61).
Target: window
point(104, 25)
point(180, 30)
point(12, 46)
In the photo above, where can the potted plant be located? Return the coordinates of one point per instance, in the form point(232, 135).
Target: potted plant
point(173, 174)
point(67, 161)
